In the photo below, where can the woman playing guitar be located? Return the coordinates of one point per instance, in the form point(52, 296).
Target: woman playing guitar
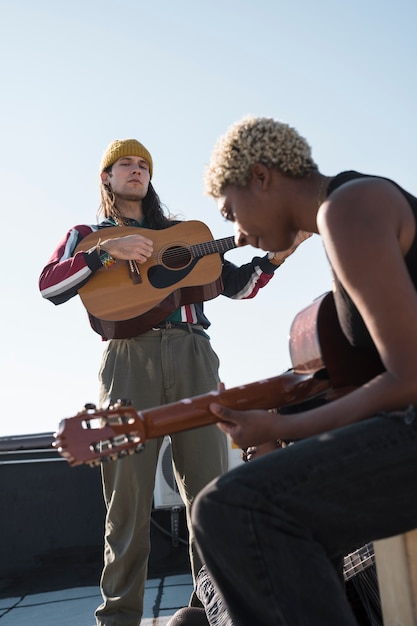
point(273, 535)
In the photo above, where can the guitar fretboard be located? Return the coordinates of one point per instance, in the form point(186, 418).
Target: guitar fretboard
point(211, 247)
point(358, 561)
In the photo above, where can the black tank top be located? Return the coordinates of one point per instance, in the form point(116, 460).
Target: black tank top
point(350, 320)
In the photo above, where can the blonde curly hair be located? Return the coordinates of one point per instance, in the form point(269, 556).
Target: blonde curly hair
point(256, 140)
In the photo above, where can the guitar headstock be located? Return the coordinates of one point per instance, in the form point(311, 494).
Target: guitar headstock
point(96, 435)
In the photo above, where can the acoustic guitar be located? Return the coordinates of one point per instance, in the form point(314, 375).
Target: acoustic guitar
point(325, 367)
point(129, 298)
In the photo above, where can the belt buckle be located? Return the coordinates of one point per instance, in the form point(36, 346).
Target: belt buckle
point(163, 326)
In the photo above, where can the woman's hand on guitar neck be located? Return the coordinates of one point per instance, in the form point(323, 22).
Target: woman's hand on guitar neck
point(239, 424)
point(128, 248)
point(249, 428)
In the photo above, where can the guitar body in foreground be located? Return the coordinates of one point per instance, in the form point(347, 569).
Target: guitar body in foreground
point(128, 298)
point(318, 375)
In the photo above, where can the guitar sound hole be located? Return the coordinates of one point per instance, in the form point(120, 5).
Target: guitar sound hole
point(176, 257)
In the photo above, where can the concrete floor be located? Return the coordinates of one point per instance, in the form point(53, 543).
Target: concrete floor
point(76, 606)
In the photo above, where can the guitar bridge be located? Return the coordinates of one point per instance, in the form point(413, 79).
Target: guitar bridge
point(134, 273)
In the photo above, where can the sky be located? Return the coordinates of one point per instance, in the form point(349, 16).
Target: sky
point(175, 75)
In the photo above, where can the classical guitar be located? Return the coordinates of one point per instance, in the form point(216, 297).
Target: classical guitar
point(127, 298)
point(325, 366)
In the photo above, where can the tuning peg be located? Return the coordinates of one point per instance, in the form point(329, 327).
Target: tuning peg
point(122, 402)
point(89, 406)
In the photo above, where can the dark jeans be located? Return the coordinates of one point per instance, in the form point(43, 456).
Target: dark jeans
point(273, 532)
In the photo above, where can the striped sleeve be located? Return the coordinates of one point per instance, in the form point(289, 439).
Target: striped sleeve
point(65, 271)
point(244, 282)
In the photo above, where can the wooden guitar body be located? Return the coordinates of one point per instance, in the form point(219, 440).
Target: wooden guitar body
point(127, 298)
point(317, 342)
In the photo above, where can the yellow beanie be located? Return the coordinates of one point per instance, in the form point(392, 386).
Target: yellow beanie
point(125, 147)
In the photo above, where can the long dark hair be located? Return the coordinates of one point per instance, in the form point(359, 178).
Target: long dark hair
point(153, 209)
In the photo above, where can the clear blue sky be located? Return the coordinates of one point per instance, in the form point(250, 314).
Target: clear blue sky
point(76, 75)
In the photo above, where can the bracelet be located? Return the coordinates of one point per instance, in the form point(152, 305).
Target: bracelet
point(95, 248)
point(106, 259)
point(272, 259)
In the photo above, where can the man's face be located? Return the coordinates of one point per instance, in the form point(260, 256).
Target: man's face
point(129, 178)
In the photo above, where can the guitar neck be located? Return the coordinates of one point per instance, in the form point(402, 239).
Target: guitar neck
point(211, 247)
point(270, 393)
point(119, 431)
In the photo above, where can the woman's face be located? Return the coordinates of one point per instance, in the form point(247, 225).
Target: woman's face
point(258, 216)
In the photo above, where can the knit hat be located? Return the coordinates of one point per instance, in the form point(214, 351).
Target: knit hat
point(122, 148)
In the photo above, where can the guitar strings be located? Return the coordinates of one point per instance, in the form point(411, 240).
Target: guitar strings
point(362, 564)
point(359, 560)
point(179, 250)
